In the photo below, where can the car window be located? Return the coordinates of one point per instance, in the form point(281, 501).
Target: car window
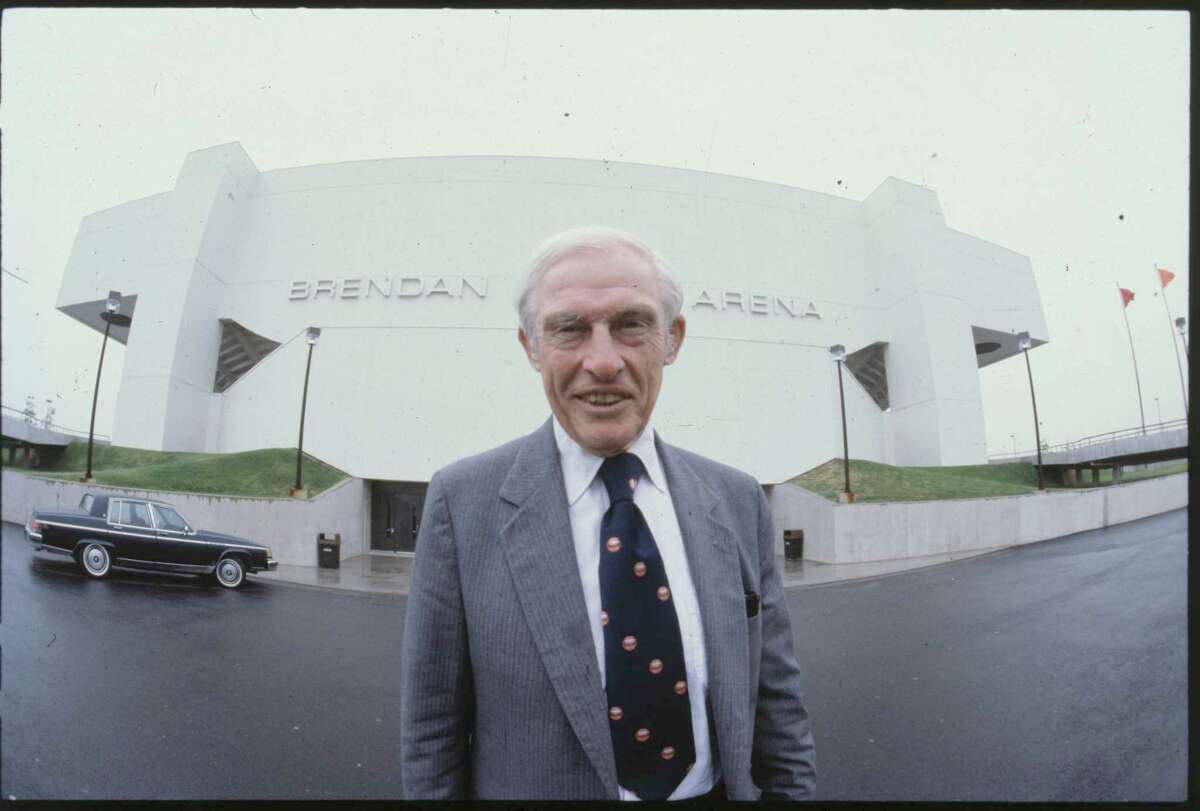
point(135, 514)
point(168, 518)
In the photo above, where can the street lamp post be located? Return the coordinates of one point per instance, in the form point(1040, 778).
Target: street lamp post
point(839, 356)
point(1023, 343)
point(110, 316)
point(311, 336)
point(1013, 437)
point(1181, 325)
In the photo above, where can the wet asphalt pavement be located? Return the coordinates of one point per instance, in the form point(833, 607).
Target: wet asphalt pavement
point(147, 686)
point(1056, 671)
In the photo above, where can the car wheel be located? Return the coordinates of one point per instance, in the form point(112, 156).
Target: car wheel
point(230, 572)
point(95, 560)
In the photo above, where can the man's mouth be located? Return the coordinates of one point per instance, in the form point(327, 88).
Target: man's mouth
point(603, 398)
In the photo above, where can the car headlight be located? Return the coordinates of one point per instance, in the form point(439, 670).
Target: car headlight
point(269, 553)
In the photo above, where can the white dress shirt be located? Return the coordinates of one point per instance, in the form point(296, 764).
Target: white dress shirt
point(588, 501)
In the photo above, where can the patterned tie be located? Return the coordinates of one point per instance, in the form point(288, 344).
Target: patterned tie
point(649, 713)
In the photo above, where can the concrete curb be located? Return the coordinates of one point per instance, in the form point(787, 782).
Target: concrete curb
point(294, 584)
point(881, 575)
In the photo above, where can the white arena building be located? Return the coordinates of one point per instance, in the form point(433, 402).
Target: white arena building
point(409, 266)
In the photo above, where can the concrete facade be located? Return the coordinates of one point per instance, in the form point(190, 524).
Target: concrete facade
point(410, 265)
point(861, 533)
point(289, 526)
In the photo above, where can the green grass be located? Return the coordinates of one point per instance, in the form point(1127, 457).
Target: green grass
point(876, 482)
point(269, 473)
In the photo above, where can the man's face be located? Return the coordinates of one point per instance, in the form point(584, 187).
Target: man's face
point(602, 347)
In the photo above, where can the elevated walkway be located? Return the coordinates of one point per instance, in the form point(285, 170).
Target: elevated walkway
point(1167, 440)
point(1131, 446)
point(34, 441)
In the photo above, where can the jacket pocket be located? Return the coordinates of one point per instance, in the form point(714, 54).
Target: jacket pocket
point(753, 602)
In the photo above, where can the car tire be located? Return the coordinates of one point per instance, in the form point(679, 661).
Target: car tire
point(230, 572)
point(95, 561)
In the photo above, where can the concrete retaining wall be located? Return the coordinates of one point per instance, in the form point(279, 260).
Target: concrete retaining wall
point(288, 526)
point(833, 533)
point(858, 533)
point(794, 507)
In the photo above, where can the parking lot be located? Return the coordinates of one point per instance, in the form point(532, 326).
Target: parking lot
point(1050, 672)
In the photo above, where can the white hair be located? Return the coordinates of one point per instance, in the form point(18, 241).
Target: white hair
point(595, 238)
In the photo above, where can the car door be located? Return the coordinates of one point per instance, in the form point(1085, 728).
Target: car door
point(131, 531)
point(177, 544)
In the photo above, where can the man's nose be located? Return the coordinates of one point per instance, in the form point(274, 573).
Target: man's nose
point(603, 360)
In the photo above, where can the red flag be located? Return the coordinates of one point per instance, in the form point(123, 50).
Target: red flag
point(1165, 276)
point(1126, 296)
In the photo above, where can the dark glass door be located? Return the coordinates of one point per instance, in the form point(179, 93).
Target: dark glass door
point(396, 515)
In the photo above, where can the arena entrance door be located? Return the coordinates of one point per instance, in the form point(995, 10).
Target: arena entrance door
point(396, 515)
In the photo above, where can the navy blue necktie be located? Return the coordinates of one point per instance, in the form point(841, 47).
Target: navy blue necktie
point(650, 717)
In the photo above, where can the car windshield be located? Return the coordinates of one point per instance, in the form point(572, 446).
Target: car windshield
point(168, 518)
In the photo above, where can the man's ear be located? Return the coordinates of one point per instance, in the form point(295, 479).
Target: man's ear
point(530, 352)
point(676, 333)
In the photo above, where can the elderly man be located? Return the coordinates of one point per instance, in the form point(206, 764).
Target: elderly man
point(594, 613)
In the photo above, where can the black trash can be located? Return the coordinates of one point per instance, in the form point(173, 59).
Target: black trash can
point(793, 544)
point(329, 550)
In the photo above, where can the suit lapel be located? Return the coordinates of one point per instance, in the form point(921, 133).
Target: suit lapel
point(715, 569)
point(540, 552)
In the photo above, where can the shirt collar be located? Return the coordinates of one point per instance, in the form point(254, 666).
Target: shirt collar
point(580, 466)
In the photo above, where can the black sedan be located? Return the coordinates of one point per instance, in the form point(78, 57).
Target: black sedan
point(107, 531)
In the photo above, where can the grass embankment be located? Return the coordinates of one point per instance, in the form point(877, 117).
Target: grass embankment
point(875, 482)
point(266, 473)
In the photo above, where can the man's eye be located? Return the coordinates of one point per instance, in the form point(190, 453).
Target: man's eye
point(566, 332)
point(632, 325)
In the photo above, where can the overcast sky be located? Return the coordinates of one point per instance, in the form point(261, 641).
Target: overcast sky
point(1060, 135)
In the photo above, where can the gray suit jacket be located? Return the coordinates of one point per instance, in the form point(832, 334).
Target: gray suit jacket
point(501, 695)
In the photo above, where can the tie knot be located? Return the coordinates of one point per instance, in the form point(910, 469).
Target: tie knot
point(620, 475)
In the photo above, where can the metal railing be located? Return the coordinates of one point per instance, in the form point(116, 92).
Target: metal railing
point(58, 428)
point(1096, 439)
point(1110, 436)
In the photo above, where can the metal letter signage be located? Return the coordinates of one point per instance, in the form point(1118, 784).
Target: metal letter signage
point(475, 287)
point(397, 287)
point(754, 303)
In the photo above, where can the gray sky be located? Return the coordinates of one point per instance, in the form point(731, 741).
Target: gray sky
point(1062, 135)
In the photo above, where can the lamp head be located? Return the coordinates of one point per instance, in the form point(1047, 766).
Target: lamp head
point(312, 335)
point(1180, 323)
point(1023, 342)
point(114, 301)
point(838, 351)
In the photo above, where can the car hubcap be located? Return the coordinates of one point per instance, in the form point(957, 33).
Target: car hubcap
point(228, 572)
point(95, 559)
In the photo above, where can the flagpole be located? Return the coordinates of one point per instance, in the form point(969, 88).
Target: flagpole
point(1129, 332)
point(1174, 344)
